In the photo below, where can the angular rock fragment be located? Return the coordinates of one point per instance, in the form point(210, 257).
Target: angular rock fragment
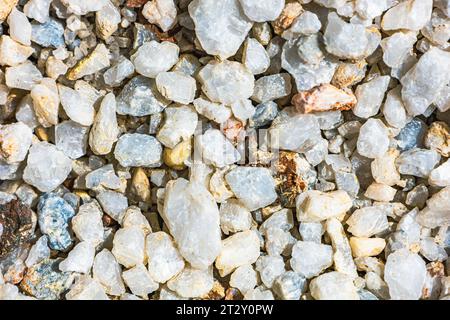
point(153, 58)
point(164, 260)
point(161, 12)
point(316, 206)
point(47, 167)
point(309, 259)
point(15, 140)
point(240, 249)
point(226, 82)
point(138, 150)
point(410, 15)
point(140, 97)
point(333, 286)
point(405, 274)
point(192, 217)
point(228, 13)
point(323, 98)
point(176, 86)
point(419, 90)
point(254, 187)
point(17, 223)
point(97, 60)
point(104, 131)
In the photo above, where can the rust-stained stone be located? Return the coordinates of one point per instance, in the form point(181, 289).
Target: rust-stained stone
point(438, 138)
point(136, 3)
point(45, 281)
point(325, 97)
point(17, 223)
point(217, 292)
point(291, 11)
point(290, 184)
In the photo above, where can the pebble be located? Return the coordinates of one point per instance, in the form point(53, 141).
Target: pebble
point(76, 107)
point(24, 76)
point(373, 139)
point(164, 259)
point(107, 20)
point(48, 34)
point(405, 274)
point(139, 281)
point(244, 278)
point(45, 282)
point(333, 286)
point(37, 9)
point(13, 53)
point(38, 252)
point(123, 69)
point(105, 130)
point(307, 75)
point(367, 221)
point(153, 58)
point(204, 13)
point(348, 40)
point(227, 81)
point(176, 86)
point(113, 203)
point(97, 60)
point(180, 123)
point(79, 259)
point(419, 90)
point(47, 167)
point(234, 217)
point(254, 187)
point(417, 162)
point(309, 259)
point(440, 176)
point(86, 288)
point(272, 87)
point(161, 12)
point(196, 231)
point(325, 97)
point(438, 138)
point(316, 206)
point(138, 150)
point(15, 141)
point(240, 249)
point(410, 15)
point(216, 112)
point(17, 223)
point(71, 138)
point(87, 223)
point(289, 286)
point(216, 149)
point(342, 257)
point(107, 272)
point(255, 57)
point(293, 131)
point(270, 268)
point(54, 214)
point(370, 96)
point(366, 247)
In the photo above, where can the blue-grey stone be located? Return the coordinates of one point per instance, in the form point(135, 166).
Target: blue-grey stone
point(140, 97)
point(412, 135)
point(141, 35)
point(264, 114)
point(48, 34)
point(44, 280)
point(54, 214)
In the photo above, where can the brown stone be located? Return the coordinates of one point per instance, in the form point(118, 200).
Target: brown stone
point(324, 98)
point(291, 11)
point(17, 223)
point(438, 138)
